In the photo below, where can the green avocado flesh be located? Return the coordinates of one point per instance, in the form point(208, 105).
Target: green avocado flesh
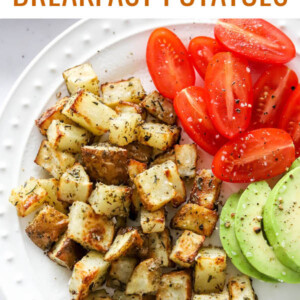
point(230, 243)
point(282, 219)
point(295, 164)
point(249, 233)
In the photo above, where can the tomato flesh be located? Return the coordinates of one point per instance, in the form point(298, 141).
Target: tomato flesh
point(255, 39)
point(229, 86)
point(255, 155)
point(271, 91)
point(191, 109)
point(169, 63)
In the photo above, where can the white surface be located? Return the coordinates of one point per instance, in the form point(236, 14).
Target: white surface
point(25, 272)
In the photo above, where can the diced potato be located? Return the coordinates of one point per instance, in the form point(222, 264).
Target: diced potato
point(160, 246)
point(98, 295)
point(54, 161)
point(128, 107)
point(123, 129)
point(210, 271)
point(159, 136)
point(162, 158)
point(75, 185)
point(87, 110)
point(130, 90)
point(160, 107)
point(66, 137)
point(175, 286)
point(206, 189)
point(145, 278)
point(139, 152)
point(111, 200)
point(186, 160)
point(121, 271)
point(89, 271)
point(240, 287)
point(213, 296)
point(28, 197)
point(118, 295)
point(153, 221)
point(90, 230)
point(106, 163)
point(186, 248)
point(140, 250)
point(53, 113)
point(127, 238)
point(82, 77)
point(135, 168)
point(47, 227)
point(66, 252)
point(195, 218)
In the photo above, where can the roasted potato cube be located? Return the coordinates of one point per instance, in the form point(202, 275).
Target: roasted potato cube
point(145, 278)
point(53, 113)
point(206, 189)
point(139, 152)
point(90, 230)
point(123, 129)
point(153, 221)
point(98, 295)
point(111, 200)
point(135, 168)
point(160, 246)
point(130, 90)
point(186, 248)
point(106, 163)
point(66, 252)
point(47, 227)
point(128, 107)
point(66, 137)
point(210, 271)
point(90, 270)
point(118, 295)
point(240, 288)
point(159, 136)
point(54, 161)
point(126, 239)
point(75, 185)
point(213, 296)
point(160, 107)
point(87, 110)
point(164, 157)
point(195, 218)
point(28, 197)
point(175, 286)
point(186, 160)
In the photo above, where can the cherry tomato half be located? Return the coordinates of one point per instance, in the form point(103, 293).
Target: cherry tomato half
point(290, 119)
point(271, 92)
point(229, 85)
point(255, 155)
point(169, 63)
point(202, 49)
point(190, 107)
point(255, 39)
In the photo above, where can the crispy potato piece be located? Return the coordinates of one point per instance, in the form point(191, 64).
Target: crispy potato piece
point(145, 278)
point(186, 160)
point(47, 227)
point(90, 230)
point(89, 271)
point(128, 107)
point(221, 296)
point(98, 295)
point(135, 168)
point(130, 90)
point(139, 152)
point(118, 295)
point(240, 287)
point(160, 107)
point(206, 189)
point(175, 286)
point(210, 271)
point(186, 248)
point(164, 157)
point(66, 252)
point(54, 161)
point(153, 221)
point(106, 163)
point(195, 218)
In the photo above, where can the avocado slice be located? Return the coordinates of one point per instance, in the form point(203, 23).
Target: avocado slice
point(295, 164)
point(249, 233)
point(230, 243)
point(282, 219)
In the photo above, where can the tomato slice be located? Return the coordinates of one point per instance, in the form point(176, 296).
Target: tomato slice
point(255, 155)
point(229, 85)
point(191, 109)
point(290, 118)
point(169, 63)
point(202, 49)
point(271, 91)
point(255, 39)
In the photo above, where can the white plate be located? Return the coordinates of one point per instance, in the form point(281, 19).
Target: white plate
point(116, 49)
